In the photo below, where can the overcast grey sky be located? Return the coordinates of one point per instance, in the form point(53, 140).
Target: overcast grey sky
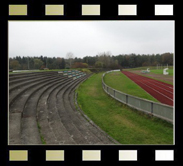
point(82, 38)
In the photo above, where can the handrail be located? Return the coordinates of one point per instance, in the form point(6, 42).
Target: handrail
point(159, 110)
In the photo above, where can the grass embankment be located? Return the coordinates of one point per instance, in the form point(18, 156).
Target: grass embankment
point(119, 81)
point(124, 124)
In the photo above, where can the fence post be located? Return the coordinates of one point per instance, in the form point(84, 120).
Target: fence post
point(151, 104)
point(126, 99)
point(151, 107)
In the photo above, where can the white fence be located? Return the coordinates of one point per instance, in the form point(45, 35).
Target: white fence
point(159, 110)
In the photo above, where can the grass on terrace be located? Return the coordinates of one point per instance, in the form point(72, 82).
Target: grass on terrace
point(124, 124)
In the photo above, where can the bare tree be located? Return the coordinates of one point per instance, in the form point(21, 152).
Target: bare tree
point(70, 57)
point(105, 58)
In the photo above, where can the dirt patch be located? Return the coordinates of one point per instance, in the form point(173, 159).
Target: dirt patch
point(156, 76)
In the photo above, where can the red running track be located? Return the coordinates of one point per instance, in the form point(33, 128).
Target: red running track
point(161, 91)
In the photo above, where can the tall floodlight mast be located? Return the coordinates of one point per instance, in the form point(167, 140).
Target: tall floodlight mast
point(28, 62)
point(46, 61)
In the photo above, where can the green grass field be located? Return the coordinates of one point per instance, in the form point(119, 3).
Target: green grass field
point(153, 69)
point(160, 71)
point(150, 67)
point(126, 125)
point(119, 81)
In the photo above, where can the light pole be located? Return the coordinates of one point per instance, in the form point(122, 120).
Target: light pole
point(46, 61)
point(28, 62)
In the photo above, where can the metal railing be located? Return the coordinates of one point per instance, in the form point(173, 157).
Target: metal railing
point(159, 110)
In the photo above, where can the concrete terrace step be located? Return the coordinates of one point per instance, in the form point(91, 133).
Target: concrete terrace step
point(24, 93)
point(50, 133)
point(15, 128)
point(29, 79)
point(30, 111)
point(104, 139)
point(16, 92)
point(20, 105)
point(100, 135)
point(21, 82)
point(63, 137)
point(41, 106)
point(92, 128)
point(28, 129)
point(89, 136)
point(30, 73)
point(27, 75)
point(43, 100)
point(66, 119)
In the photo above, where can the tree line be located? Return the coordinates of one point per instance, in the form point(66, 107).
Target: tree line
point(102, 60)
point(106, 60)
point(27, 63)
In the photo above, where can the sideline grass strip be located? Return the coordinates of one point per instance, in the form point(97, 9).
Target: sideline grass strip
point(124, 124)
point(119, 81)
